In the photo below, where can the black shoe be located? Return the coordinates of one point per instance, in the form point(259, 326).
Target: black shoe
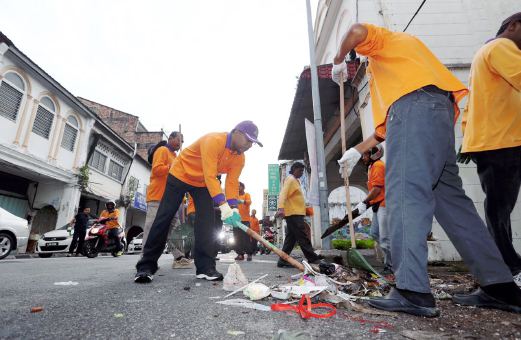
point(143, 277)
point(211, 275)
point(479, 298)
point(395, 302)
point(283, 264)
point(248, 258)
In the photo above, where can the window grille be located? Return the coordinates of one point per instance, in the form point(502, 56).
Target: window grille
point(69, 137)
point(98, 160)
point(115, 170)
point(43, 122)
point(10, 99)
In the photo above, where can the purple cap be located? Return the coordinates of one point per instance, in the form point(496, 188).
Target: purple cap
point(250, 131)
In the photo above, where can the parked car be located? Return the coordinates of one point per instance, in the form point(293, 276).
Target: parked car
point(14, 233)
point(136, 245)
point(57, 241)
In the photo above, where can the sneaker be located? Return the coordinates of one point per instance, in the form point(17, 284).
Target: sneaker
point(283, 264)
point(182, 263)
point(68, 255)
point(239, 258)
point(517, 279)
point(248, 258)
point(119, 253)
point(143, 277)
point(211, 275)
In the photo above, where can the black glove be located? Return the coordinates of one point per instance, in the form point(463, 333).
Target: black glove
point(463, 157)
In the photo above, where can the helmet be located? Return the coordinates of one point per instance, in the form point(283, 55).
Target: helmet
point(110, 203)
point(376, 153)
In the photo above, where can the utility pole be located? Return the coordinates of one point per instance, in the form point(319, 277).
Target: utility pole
point(319, 135)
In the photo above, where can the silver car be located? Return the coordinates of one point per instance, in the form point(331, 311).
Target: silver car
point(14, 233)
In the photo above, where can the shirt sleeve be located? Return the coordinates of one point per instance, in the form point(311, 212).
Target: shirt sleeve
point(160, 165)
point(505, 59)
point(232, 181)
point(209, 158)
point(374, 41)
point(104, 214)
point(378, 175)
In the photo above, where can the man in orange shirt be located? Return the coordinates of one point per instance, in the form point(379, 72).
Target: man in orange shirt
point(242, 240)
point(109, 217)
point(414, 99)
point(195, 171)
point(492, 132)
point(376, 199)
point(162, 160)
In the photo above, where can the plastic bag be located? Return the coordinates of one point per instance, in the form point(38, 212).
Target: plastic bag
point(256, 291)
point(234, 278)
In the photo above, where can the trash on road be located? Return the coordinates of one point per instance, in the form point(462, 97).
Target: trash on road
point(305, 308)
point(119, 315)
point(291, 335)
point(235, 332)
point(234, 278)
point(245, 304)
point(256, 291)
point(244, 287)
point(66, 283)
point(37, 309)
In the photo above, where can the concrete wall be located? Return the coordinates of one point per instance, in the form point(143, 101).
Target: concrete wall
point(454, 31)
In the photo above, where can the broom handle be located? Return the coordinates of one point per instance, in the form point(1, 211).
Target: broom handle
point(346, 178)
point(268, 245)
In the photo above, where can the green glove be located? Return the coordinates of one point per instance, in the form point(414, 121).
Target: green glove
point(463, 157)
point(233, 220)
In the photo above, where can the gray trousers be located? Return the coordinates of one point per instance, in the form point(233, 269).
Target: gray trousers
point(422, 181)
point(384, 237)
point(152, 208)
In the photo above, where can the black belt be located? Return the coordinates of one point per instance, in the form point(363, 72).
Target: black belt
point(435, 89)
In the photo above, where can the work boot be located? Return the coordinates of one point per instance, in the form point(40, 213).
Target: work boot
point(414, 303)
point(505, 296)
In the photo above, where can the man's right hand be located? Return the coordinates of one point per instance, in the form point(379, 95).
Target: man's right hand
point(339, 69)
point(348, 162)
point(463, 157)
point(229, 215)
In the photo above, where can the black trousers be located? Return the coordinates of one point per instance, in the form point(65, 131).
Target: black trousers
point(296, 232)
point(242, 240)
point(114, 235)
point(204, 236)
point(500, 176)
point(78, 239)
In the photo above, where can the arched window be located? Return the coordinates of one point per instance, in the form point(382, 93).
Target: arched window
point(44, 117)
point(11, 93)
point(70, 133)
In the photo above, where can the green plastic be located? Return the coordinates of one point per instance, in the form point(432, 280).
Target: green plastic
point(357, 260)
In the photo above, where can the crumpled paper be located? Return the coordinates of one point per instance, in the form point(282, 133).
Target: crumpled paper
point(256, 291)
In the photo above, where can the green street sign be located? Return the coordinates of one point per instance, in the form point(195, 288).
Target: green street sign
point(273, 179)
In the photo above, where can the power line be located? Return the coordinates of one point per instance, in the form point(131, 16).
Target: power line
point(414, 16)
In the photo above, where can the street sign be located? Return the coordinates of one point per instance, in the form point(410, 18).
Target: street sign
point(272, 202)
point(273, 179)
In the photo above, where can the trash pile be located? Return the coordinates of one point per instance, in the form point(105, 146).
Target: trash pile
point(315, 293)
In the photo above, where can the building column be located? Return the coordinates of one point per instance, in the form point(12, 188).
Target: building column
point(69, 203)
point(23, 116)
point(79, 144)
point(36, 102)
point(57, 135)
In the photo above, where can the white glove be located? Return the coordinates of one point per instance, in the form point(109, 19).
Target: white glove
point(362, 208)
point(226, 211)
point(337, 70)
point(349, 160)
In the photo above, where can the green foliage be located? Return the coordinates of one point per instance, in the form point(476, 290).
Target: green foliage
point(83, 177)
point(346, 244)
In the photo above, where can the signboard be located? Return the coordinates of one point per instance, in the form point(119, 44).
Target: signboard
point(139, 201)
point(272, 202)
point(273, 179)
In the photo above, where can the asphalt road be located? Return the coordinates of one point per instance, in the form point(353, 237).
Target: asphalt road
point(106, 303)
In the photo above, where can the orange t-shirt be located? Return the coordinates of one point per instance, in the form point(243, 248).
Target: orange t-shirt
point(244, 208)
point(163, 159)
point(400, 63)
point(200, 163)
point(254, 224)
point(111, 224)
point(376, 178)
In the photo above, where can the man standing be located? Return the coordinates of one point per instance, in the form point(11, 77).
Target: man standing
point(414, 100)
point(376, 199)
point(109, 217)
point(162, 160)
point(80, 221)
point(195, 171)
point(492, 132)
point(242, 240)
point(292, 208)
point(254, 225)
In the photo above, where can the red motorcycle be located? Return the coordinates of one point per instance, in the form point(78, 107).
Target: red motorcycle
point(268, 235)
point(98, 241)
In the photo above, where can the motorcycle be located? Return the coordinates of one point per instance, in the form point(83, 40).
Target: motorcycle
point(98, 241)
point(268, 235)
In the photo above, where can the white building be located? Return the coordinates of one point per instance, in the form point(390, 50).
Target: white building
point(44, 134)
point(453, 30)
